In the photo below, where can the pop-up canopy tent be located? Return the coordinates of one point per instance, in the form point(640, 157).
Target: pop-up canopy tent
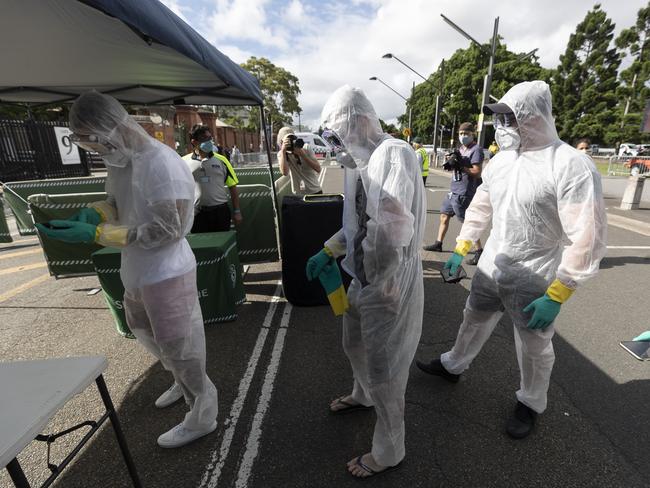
point(139, 52)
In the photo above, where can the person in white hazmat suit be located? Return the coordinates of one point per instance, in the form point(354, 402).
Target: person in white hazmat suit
point(544, 199)
point(148, 212)
point(383, 225)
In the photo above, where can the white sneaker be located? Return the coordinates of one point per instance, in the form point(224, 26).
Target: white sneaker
point(170, 396)
point(179, 435)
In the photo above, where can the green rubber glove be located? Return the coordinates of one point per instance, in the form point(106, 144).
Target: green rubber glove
point(87, 215)
point(645, 337)
point(453, 262)
point(316, 263)
point(69, 231)
point(544, 312)
point(330, 278)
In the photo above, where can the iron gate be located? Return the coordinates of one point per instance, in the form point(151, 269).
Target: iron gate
point(29, 151)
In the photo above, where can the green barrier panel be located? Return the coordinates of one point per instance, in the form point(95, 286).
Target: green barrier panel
point(256, 175)
point(17, 193)
point(218, 278)
point(5, 235)
point(256, 238)
point(64, 259)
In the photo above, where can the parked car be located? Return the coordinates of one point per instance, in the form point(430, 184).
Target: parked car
point(321, 149)
point(628, 149)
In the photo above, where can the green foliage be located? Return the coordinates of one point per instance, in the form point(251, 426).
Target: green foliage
point(585, 82)
point(633, 92)
point(463, 87)
point(279, 88)
point(390, 129)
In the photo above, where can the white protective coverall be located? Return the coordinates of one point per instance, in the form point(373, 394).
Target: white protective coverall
point(149, 211)
point(383, 225)
point(548, 221)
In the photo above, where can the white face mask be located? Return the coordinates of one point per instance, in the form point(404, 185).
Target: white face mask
point(507, 138)
point(116, 158)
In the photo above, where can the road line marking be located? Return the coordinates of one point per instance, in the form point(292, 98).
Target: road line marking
point(218, 458)
point(20, 253)
point(25, 286)
point(321, 177)
point(628, 247)
point(441, 189)
point(255, 434)
point(637, 226)
point(24, 267)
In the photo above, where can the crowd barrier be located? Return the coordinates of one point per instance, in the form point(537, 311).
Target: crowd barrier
point(5, 234)
point(17, 193)
point(628, 165)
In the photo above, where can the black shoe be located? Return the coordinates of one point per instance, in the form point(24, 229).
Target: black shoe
point(436, 368)
point(436, 246)
point(522, 421)
point(477, 256)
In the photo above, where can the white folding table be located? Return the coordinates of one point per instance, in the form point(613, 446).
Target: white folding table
point(33, 392)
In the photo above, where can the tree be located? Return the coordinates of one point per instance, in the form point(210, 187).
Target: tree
point(390, 129)
point(585, 82)
point(633, 92)
point(279, 89)
point(463, 87)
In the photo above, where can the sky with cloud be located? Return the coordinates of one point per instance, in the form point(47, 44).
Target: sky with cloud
point(328, 44)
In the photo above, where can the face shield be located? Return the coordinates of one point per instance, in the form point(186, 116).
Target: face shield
point(506, 131)
point(343, 157)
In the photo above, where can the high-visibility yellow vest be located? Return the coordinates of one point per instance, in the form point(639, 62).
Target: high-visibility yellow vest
point(425, 161)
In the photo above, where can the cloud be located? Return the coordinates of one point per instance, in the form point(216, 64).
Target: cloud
point(339, 42)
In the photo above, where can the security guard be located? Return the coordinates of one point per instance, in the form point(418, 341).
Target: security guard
point(212, 177)
point(423, 158)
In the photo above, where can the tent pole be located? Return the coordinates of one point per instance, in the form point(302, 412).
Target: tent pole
point(267, 144)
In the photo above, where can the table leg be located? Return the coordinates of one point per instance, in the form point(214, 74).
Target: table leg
point(121, 440)
point(17, 474)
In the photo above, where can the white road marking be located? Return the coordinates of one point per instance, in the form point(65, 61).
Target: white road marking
point(218, 458)
point(628, 247)
point(637, 226)
point(253, 442)
point(441, 189)
point(321, 177)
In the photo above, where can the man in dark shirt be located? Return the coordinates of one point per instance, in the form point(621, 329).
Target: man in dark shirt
point(463, 187)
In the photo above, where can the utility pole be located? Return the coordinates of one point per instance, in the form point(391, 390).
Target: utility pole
point(436, 120)
point(487, 84)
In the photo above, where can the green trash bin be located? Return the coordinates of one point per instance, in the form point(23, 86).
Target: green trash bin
point(219, 279)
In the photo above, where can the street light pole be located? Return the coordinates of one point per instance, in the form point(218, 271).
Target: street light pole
point(436, 121)
point(487, 84)
point(374, 78)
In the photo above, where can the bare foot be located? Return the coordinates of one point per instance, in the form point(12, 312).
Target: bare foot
point(365, 466)
point(342, 403)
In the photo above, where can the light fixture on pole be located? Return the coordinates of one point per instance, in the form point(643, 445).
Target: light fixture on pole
point(487, 81)
point(374, 78)
point(438, 97)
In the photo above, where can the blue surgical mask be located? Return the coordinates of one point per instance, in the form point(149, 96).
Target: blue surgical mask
point(207, 146)
point(466, 140)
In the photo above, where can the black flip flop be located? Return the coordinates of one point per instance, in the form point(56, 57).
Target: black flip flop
point(371, 471)
point(348, 407)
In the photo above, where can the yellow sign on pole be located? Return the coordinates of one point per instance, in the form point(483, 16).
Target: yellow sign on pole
point(159, 135)
point(406, 132)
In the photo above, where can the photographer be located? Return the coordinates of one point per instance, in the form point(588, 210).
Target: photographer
point(298, 161)
point(465, 162)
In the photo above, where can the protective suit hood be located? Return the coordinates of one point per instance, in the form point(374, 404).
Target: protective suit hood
point(349, 113)
point(530, 101)
point(94, 113)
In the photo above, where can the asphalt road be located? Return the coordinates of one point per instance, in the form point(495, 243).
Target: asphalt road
point(277, 367)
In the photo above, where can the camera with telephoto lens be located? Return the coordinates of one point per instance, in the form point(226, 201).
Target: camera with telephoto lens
point(455, 161)
point(294, 142)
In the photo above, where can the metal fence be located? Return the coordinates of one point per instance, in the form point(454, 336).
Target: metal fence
point(628, 165)
point(29, 150)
